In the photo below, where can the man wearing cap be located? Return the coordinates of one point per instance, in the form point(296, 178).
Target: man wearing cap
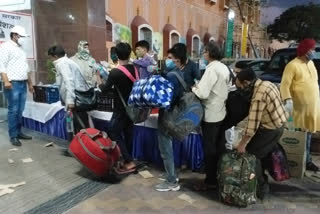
point(300, 92)
point(15, 74)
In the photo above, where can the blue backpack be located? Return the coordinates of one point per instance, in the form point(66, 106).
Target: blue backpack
point(184, 117)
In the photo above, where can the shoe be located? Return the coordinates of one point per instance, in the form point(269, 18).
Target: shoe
point(163, 177)
point(15, 141)
point(262, 191)
point(312, 167)
point(24, 137)
point(166, 186)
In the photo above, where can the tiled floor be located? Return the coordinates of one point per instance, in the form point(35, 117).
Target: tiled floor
point(136, 195)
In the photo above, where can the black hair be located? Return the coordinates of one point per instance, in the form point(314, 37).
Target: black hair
point(179, 51)
point(143, 44)
point(214, 50)
point(113, 50)
point(56, 50)
point(123, 51)
point(246, 74)
point(12, 34)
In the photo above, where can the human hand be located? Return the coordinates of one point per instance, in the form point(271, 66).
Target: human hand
point(241, 147)
point(70, 107)
point(7, 85)
point(288, 105)
point(31, 89)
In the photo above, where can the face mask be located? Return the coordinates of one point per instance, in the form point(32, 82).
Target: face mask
point(206, 62)
point(21, 41)
point(170, 64)
point(114, 57)
point(310, 55)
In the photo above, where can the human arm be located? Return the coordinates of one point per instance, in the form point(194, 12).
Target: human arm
point(30, 85)
point(144, 62)
point(254, 120)
point(68, 78)
point(286, 81)
point(107, 86)
point(4, 57)
point(203, 88)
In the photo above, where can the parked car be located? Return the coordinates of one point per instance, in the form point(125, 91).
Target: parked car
point(258, 65)
point(280, 59)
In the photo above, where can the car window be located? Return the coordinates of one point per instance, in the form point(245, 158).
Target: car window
point(280, 61)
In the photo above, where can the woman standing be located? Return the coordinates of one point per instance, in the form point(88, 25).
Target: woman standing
point(212, 90)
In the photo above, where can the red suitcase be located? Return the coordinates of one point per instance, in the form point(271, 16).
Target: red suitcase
point(95, 151)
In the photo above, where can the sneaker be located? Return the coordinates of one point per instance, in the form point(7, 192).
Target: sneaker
point(312, 167)
point(163, 177)
point(166, 186)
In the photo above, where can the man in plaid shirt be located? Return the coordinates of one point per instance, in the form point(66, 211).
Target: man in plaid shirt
point(266, 118)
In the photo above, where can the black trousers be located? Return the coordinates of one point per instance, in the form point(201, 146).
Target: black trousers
point(261, 144)
point(121, 131)
point(80, 120)
point(211, 148)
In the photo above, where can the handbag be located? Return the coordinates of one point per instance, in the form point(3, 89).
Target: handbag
point(85, 100)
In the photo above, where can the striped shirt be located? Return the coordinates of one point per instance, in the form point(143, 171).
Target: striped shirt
point(13, 61)
point(266, 109)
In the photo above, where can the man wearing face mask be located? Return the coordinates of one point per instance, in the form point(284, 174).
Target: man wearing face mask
point(15, 74)
point(88, 70)
point(300, 92)
point(266, 119)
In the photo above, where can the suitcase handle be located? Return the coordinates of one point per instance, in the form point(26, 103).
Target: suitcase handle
point(104, 135)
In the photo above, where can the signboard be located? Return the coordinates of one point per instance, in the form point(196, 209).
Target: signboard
point(229, 41)
point(15, 5)
point(8, 20)
point(244, 39)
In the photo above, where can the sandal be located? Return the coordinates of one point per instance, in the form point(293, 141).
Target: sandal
point(121, 171)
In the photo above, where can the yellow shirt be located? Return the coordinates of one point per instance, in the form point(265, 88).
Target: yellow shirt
point(300, 82)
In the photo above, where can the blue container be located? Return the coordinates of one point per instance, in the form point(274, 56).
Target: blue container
point(52, 94)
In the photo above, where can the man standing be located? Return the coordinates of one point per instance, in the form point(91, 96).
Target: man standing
point(15, 74)
point(265, 121)
point(300, 91)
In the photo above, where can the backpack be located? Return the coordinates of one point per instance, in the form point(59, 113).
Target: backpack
point(184, 117)
point(237, 179)
point(278, 166)
point(137, 115)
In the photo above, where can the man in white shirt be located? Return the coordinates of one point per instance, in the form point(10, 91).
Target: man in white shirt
point(15, 74)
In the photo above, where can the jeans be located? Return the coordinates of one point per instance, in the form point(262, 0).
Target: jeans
point(16, 98)
point(212, 150)
point(166, 152)
point(262, 143)
point(121, 131)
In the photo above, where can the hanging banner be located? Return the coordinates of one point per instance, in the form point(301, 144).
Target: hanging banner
point(229, 42)
point(8, 20)
point(157, 44)
point(121, 33)
point(244, 37)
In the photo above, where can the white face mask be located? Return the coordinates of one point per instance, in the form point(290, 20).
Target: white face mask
point(21, 41)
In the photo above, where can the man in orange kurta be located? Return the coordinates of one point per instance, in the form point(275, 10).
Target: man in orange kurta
point(300, 90)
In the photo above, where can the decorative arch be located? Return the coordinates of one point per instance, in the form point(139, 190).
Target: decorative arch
point(193, 43)
point(208, 38)
point(170, 35)
point(141, 30)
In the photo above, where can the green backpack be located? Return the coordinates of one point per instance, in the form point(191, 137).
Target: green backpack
point(237, 179)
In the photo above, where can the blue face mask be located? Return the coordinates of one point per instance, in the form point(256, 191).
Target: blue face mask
point(310, 55)
point(206, 62)
point(170, 64)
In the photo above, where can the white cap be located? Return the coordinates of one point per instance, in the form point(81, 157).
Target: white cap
point(19, 30)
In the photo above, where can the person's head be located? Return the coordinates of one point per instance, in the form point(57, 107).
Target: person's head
point(170, 65)
point(239, 66)
point(306, 49)
point(212, 52)
point(56, 52)
point(83, 50)
point(245, 77)
point(123, 51)
point(179, 53)
point(113, 55)
point(17, 34)
point(142, 48)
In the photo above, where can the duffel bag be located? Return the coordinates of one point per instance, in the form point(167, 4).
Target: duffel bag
point(95, 151)
point(157, 92)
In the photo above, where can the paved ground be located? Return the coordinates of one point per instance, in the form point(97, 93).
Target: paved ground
point(136, 195)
